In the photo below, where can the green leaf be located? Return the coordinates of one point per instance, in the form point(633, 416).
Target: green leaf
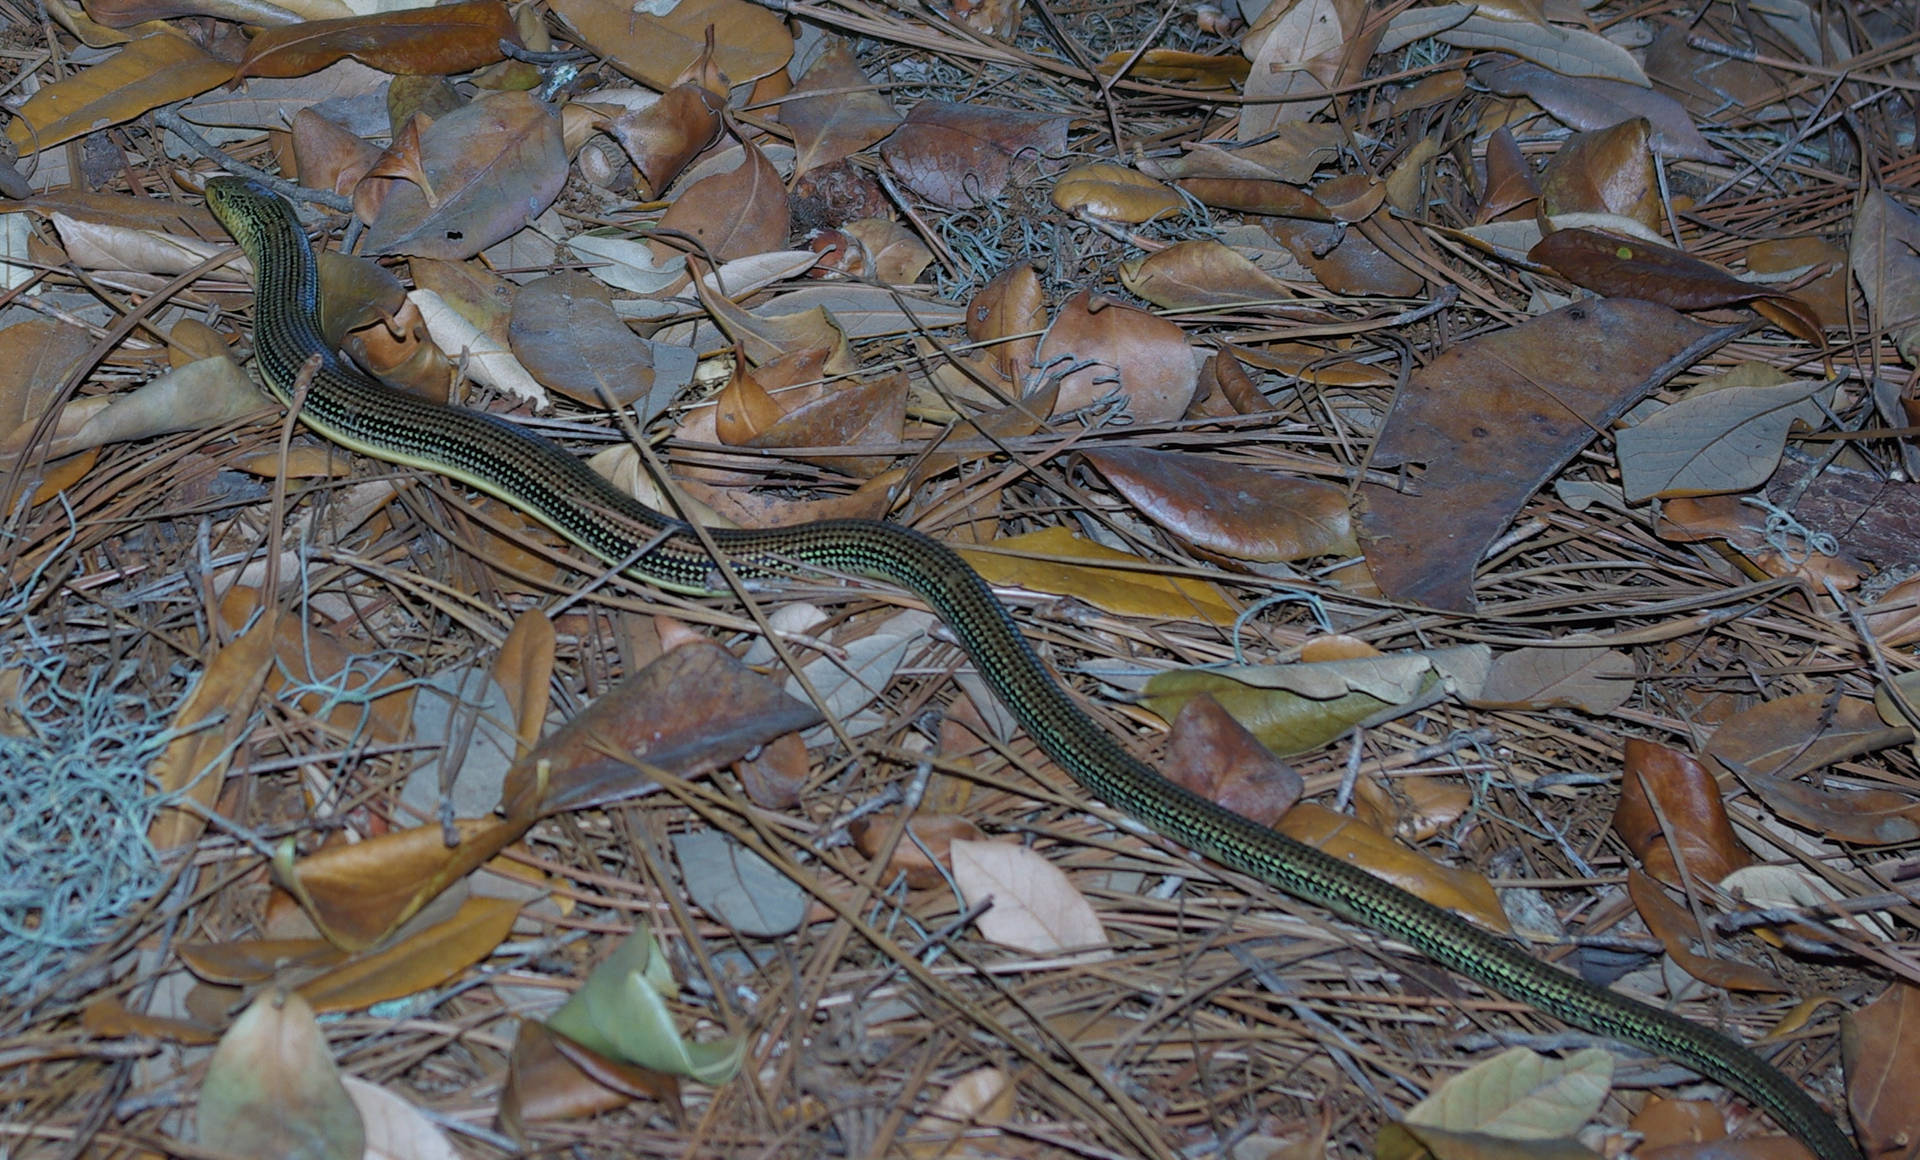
point(621, 1012)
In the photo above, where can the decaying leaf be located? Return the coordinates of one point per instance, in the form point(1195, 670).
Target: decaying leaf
point(1494, 417)
point(1520, 1095)
point(272, 1088)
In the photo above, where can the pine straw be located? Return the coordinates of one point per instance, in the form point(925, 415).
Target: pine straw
point(1227, 1011)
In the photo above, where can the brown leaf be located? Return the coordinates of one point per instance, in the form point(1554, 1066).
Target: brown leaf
point(1880, 1046)
point(957, 156)
point(1255, 195)
point(1346, 261)
point(359, 894)
point(546, 1081)
point(1201, 273)
point(1623, 268)
point(1299, 49)
point(1229, 509)
point(253, 961)
point(923, 853)
point(1494, 418)
point(663, 137)
point(452, 38)
point(834, 111)
point(1118, 350)
point(565, 332)
point(1593, 680)
point(1605, 171)
point(656, 45)
point(483, 172)
point(1743, 527)
point(1789, 736)
point(418, 963)
point(1673, 925)
point(1214, 756)
point(148, 73)
point(1511, 187)
point(735, 214)
point(1695, 819)
point(693, 710)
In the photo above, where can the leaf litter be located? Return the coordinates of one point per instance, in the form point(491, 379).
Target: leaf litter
point(1239, 357)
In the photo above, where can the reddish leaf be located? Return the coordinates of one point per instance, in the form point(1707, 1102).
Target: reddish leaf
point(1214, 756)
point(452, 38)
point(735, 214)
point(1690, 819)
point(963, 155)
point(693, 710)
point(1622, 268)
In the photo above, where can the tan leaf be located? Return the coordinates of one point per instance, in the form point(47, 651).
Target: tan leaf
point(358, 895)
point(1521, 1095)
point(1464, 892)
point(211, 718)
point(654, 45)
point(418, 963)
point(1201, 273)
point(1034, 907)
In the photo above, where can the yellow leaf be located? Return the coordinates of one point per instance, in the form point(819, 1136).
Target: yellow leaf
point(1104, 581)
point(412, 965)
point(194, 765)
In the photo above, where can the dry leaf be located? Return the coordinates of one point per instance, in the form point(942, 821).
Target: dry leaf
point(1114, 586)
point(1670, 806)
point(1034, 907)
